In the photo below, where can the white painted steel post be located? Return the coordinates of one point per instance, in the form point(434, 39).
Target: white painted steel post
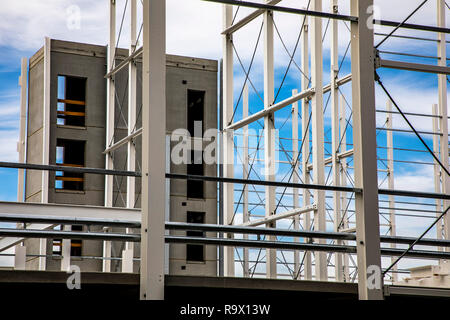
point(23, 82)
point(343, 168)
point(365, 153)
point(245, 213)
point(437, 171)
point(269, 136)
point(305, 143)
point(334, 99)
point(443, 112)
point(128, 252)
point(295, 167)
point(390, 160)
point(228, 135)
point(45, 143)
point(321, 271)
point(153, 146)
point(110, 111)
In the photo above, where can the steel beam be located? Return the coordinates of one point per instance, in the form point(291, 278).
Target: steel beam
point(153, 146)
point(125, 141)
point(247, 19)
point(279, 216)
point(135, 54)
point(31, 166)
point(440, 69)
point(305, 94)
point(271, 108)
point(364, 141)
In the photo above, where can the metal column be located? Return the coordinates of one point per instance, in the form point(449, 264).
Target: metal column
point(228, 135)
point(390, 158)
point(306, 147)
point(245, 213)
point(128, 253)
point(365, 153)
point(443, 112)
point(45, 143)
point(23, 82)
point(110, 111)
point(295, 199)
point(153, 146)
point(269, 135)
point(437, 171)
point(334, 98)
point(321, 271)
point(343, 169)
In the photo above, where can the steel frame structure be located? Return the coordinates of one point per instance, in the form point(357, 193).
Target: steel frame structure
point(314, 262)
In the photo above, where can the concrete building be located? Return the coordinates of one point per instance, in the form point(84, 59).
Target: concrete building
point(77, 109)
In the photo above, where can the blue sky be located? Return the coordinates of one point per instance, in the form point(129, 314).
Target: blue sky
point(25, 23)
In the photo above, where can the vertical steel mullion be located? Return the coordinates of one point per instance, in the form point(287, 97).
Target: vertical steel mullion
point(153, 156)
point(365, 153)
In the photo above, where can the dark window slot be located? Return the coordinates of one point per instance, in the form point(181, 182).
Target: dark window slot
point(195, 252)
point(71, 109)
point(70, 153)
